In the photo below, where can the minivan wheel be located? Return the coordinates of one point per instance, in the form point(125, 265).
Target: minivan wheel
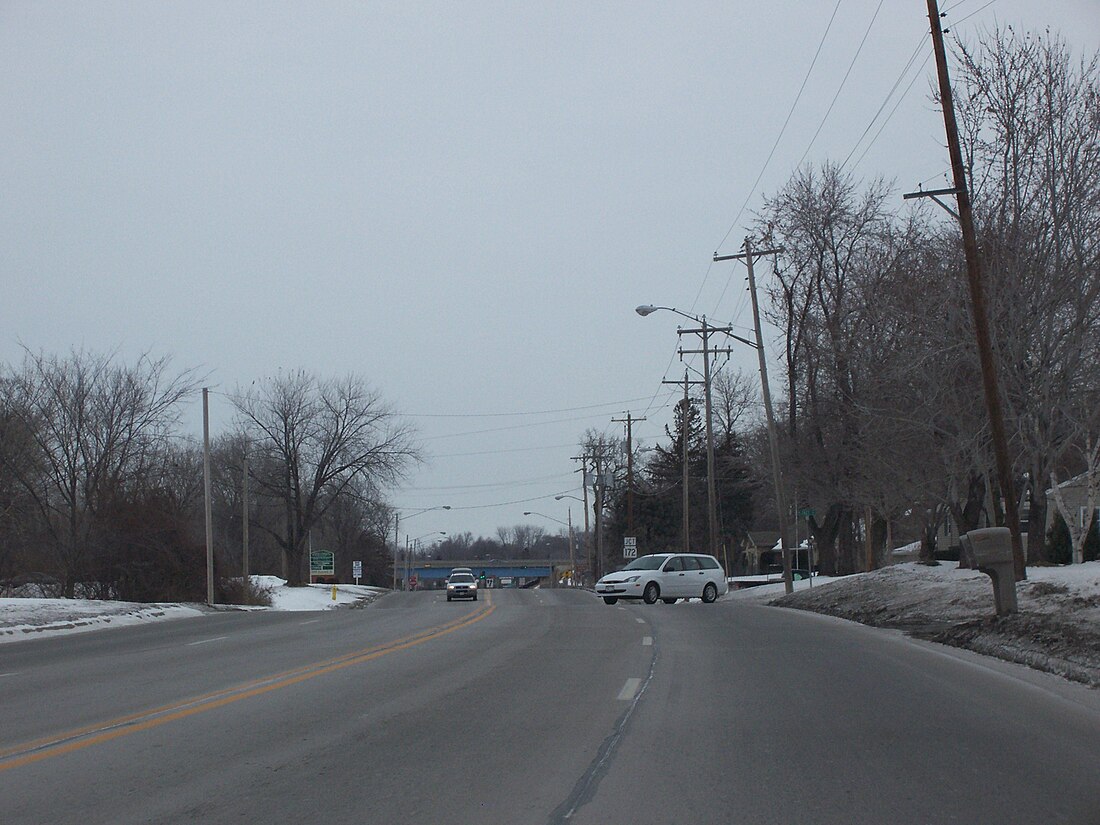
point(669, 601)
point(710, 593)
point(609, 599)
point(651, 593)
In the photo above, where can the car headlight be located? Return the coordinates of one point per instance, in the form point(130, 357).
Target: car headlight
point(450, 587)
point(631, 579)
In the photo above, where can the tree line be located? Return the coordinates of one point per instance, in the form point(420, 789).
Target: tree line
point(884, 430)
point(100, 495)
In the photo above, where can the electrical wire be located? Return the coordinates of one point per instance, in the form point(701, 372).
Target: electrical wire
point(513, 427)
point(516, 501)
point(783, 128)
point(521, 483)
point(901, 76)
point(529, 412)
point(976, 11)
point(507, 450)
point(843, 81)
point(901, 97)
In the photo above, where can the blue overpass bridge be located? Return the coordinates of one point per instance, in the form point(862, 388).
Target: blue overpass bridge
point(491, 572)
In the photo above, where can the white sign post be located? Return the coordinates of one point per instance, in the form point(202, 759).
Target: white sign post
point(630, 547)
point(357, 570)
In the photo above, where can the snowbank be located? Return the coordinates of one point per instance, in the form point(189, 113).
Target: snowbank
point(26, 618)
point(1057, 628)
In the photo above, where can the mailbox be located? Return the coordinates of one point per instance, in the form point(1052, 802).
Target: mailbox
point(990, 551)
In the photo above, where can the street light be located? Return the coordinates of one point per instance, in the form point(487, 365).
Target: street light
point(397, 533)
point(568, 524)
point(415, 548)
point(572, 535)
point(705, 331)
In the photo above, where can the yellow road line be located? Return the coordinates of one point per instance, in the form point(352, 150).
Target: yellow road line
point(37, 750)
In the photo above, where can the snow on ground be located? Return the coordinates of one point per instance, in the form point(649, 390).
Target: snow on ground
point(1057, 628)
point(28, 618)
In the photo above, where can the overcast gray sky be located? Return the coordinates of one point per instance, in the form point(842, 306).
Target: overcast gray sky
point(462, 202)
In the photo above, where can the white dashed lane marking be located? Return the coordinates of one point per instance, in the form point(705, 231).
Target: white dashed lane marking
point(629, 689)
point(204, 641)
point(639, 621)
point(647, 641)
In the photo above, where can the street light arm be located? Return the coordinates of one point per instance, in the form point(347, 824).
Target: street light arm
point(428, 510)
point(649, 309)
point(543, 515)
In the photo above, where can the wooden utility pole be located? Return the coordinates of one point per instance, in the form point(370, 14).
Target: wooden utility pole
point(206, 495)
point(749, 256)
point(704, 331)
point(684, 459)
point(629, 421)
point(244, 520)
point(979, 310)
point(583, 459)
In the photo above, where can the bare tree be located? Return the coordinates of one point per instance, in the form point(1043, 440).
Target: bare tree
point(1032, 135)
point(845, 251)
point(735, 400)
point(321, 437)
point(95, 426)
point(1079, 530)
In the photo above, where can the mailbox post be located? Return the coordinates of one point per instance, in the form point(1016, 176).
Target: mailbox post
point(990, 551)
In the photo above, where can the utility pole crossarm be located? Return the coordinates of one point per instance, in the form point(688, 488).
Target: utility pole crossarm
point(934, 195)
point(755, 253)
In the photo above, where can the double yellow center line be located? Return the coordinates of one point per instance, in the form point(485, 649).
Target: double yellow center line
point(69, 741)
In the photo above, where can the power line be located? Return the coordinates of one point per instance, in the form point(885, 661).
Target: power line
point(520, 413)
point(512, 427)
point(521, 483)
point(782, 129)
point(516, 501)
point(886, 100)
point(902, 97)
point(843, 81)
point(510, 450)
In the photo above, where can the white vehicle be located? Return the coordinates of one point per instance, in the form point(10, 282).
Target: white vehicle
point(665, 576)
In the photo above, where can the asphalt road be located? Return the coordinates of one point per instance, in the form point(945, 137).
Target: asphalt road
point(534, 706)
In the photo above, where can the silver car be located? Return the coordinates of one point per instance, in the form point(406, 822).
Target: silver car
point(461, 586)
point(665, 576)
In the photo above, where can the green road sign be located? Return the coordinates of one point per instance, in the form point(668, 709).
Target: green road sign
point(322, 563)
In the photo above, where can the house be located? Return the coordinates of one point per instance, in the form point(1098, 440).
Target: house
point(758, 551)
point(1074, 493)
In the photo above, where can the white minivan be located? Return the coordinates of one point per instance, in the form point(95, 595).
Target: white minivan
point(665, 576)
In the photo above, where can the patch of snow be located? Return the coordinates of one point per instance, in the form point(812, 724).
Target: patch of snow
point(30, 618)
